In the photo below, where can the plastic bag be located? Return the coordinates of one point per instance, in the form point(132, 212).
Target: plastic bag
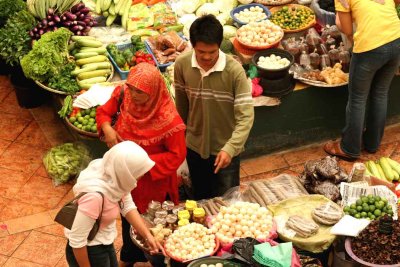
point(244, 249)
point(275, 189)
point(65, 161)
point(164, 19)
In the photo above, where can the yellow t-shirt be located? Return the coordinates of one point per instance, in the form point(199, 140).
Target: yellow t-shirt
point(377, 24)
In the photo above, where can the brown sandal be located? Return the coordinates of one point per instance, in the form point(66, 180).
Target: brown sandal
point(333, 149)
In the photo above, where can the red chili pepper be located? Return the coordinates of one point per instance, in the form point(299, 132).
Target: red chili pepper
point(151, 62)
point(148, 57)
point(139, 54)
point(140, 60)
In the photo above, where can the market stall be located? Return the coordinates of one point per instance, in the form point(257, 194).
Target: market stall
point(80, 50)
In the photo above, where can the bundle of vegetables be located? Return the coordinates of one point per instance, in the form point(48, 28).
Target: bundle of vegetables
point(384, 168)
point(48, 56)
point(64, 80)
point(9, 8)
point(77, 19)
point(66, 108)
point(65, 161)
point(134, 54)
point(14, 38)
point(39, 8)
point(93, 65)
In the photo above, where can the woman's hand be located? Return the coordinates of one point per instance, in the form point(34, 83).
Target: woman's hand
point(111, 137)
point(155, 246)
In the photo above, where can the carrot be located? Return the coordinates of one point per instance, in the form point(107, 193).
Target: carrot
point(134, 2)
point(153, 2)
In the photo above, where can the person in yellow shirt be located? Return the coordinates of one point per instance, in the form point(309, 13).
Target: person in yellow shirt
point(374, 62)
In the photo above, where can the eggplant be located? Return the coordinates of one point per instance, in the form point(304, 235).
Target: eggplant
point(81, 16)
point(37, 36)
point(76, 28)
point(44, 22)
point(39, 25)
point(35, 30)
point(70, 16)
point(77, 7)
point(87, 29)
point(51, 23)
point(63, 18)
point(78, 33)
point(49, 17)
point(41, 31)
point(81, 23)
point(85, 10)
point(31, 34)
point(87, 21)
point(56, 18)
point(90, 24)
point(67, 23)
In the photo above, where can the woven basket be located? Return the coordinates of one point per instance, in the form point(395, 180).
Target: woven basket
point(309, 25)
point(273, 3)
point(65, 93)
point(73, 127)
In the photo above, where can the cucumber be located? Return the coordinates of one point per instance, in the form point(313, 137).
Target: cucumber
point(387, 169)
point(86, 85)
point(85, 54)
point(100, 50)
point(78, 71)
point(98, 65)
point(89, 43)
point(78, 37)
point(374, 170)
point(93, 80)
point(394, 164)
point(98, 58)
point(381, 173)
point(93, 74)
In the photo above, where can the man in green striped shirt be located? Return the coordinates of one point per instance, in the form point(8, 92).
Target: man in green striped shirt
point(214, 99)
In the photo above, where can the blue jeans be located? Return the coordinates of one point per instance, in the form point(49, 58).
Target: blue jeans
point(371, 74)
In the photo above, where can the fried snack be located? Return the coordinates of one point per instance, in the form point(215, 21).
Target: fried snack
point(327, 214)
point(334, 75)
point(303, 227)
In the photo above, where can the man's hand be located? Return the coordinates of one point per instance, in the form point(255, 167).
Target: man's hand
point(111, 137)
point(222, 161)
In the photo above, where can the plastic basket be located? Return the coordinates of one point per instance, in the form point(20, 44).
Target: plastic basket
point(241, 8)
point(122, 73)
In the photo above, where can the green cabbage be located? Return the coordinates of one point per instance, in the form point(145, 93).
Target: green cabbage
point(190, 6)
point(229, 32)
point(206, 9)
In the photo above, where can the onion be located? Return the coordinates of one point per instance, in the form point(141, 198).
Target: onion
point(56, 18)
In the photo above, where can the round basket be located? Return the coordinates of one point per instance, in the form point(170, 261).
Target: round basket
point(187, 261)
point(80, 131)
point(273, 73)
point(257, 48)
point(309, 25)
point(349, 251)
point(65, 93)
point(273, 2)
point(213, 260)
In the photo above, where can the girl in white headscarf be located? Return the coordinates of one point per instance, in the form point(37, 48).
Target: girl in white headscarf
point(115, 175)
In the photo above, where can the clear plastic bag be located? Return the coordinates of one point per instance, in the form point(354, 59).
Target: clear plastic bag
point(64, 162)
point(275, 189)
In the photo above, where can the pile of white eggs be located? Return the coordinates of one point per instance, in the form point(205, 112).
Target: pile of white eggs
point(260, 33)
point(254, 13)
point(240, 220)
point(273, 62)
point(191, 241)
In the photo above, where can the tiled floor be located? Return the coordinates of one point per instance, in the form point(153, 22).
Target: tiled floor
point(28, 200)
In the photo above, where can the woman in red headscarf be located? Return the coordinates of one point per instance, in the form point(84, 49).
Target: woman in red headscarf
point(149, 118)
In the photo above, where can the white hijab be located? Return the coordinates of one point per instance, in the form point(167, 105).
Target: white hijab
point(116, 174)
